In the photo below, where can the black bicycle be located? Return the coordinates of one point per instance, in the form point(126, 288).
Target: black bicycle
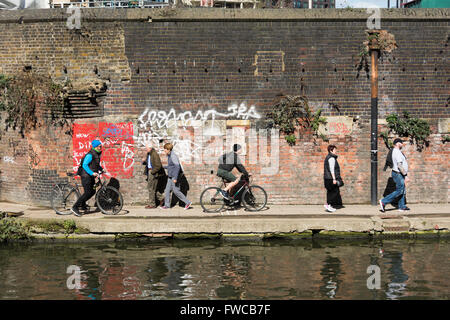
point(253, 197)
point(64, 195)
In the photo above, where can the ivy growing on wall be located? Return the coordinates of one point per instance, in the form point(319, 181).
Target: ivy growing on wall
point(291, 112)
point(445, 139)
point(416, 129)
point(28, 100)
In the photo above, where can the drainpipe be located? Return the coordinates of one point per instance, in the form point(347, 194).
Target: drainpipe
point(374, 54)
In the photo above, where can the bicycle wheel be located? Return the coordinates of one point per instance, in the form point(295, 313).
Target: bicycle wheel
point(62, 198)
point(211, 200)
point(254, 198)
point(109, 200)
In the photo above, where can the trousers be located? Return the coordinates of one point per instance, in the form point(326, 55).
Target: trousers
point(170, 186)
point(333, 194)
point(88, 183)
point(153, 193)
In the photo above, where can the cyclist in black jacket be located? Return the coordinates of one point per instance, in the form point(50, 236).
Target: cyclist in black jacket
point(227, 163)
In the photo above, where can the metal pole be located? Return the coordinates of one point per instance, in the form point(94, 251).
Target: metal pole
point(389, 4)
point(374, 127)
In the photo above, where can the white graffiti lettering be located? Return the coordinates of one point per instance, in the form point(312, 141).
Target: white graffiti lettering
point(157, 125)
point(128, 156)
point(8, 159)
point(161, 119)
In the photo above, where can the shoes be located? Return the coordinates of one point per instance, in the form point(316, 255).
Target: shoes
point(188, 206)
point(382, 206)
point(164, 207)
point(150, 207)
point(329, 208)
point(224, 194)
point(404, 209)
point(76, 212)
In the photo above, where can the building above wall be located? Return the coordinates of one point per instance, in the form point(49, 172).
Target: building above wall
point(427, 4)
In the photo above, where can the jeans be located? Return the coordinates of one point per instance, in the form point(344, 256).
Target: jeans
point(170, 186)
point(400, 190)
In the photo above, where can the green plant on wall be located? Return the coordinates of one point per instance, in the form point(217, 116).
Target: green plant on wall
point(69, 226)
point(416, 129)
point(291, 112)
point(12, 229)
point(27, 99)
point(445, 139)
point(314, 121)
point(291, 139)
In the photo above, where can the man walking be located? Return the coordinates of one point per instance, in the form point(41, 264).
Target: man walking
point(400, 176)
point(173, 170)
point(89, 169)
point(154, 172)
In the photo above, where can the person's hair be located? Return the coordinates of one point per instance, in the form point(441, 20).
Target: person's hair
point(236, 147)
point(168, 146)
point(331, 147)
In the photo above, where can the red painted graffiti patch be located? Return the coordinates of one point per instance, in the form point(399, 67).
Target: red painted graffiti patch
point(118, 146)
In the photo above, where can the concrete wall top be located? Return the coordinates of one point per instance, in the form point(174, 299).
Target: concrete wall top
point(219, 14)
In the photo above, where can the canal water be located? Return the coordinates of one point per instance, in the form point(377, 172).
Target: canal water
point(207, 269)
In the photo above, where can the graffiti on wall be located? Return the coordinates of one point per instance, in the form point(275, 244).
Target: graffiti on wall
point(161, 119)
point(118, 146)
point(34, 157)
point(200, 136)
point(188, 130)
point(8, 159)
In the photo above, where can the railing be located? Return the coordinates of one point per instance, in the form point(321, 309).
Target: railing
point(144, 3)
point(109, 4)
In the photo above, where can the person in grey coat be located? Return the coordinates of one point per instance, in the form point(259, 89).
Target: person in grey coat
point(173, 170)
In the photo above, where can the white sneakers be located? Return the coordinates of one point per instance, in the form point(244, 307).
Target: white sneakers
point(329, 208)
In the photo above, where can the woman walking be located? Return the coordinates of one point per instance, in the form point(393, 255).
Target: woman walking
point(173, 170)
point(332, 179)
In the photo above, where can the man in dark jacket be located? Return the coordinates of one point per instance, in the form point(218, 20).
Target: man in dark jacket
point(89, 169)
point(332, 180)
point(227, 163)
point(154, 172)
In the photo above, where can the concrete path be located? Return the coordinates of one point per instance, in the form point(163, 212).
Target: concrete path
point(275, 219)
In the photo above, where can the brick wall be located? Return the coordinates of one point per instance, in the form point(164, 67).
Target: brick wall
point(230, 64)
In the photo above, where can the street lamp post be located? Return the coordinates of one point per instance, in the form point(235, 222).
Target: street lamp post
point(374, 54)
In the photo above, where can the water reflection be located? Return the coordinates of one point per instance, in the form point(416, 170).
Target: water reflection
point(330, 271)
point(220, 270)
point(397, 277)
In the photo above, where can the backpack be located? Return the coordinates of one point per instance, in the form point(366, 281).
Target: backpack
point(79, 171)
point(389, 163)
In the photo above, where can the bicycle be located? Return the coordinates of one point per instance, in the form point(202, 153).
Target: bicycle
point(64, 195)
point(253, 197)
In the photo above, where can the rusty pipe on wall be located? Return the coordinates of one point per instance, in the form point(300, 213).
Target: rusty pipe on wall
point(374, 53)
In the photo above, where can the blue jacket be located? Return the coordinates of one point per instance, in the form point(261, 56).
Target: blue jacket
point(173, 167)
